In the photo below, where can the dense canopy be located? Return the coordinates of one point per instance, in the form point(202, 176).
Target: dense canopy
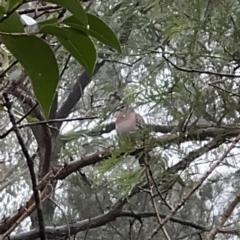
point(64, 173)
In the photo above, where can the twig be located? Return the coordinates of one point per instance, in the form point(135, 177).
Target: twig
point(224, 90)
point(2, 73)
point(156, 186)
point(32, 10)
point(43, 122)
point(65, 65)
point(30, 166)
point(56, 120)
point(199, 71)
point(19, 121)
point(65, 216)
point(87, 230)
point(153, 201)
point(25, 115)
point(190, 193)
point(224, 218)
point(130, 228)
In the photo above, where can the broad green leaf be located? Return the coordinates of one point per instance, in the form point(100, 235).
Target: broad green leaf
point(13, 3)
point(82, 49)
point(12, 24)
point(39, 62)
point(55, 31)
point(2, 12)
point(74, 7)
point(97, 28)
point(77, 43)
point(50, 21)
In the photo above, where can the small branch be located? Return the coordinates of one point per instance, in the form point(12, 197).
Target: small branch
point(43, 122)
point(199, 71)
point(57, 120)
point(2, 73)
point(149, 178)
point(224, 218)
point(187, 160)
point(181, 221)
point(65, 65)
point(45, 8)
point(156, 186)
point(65, 216)
point(224, 90)
point(30, 166)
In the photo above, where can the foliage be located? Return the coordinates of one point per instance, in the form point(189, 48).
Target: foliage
point(43, 70)
point(178, 67)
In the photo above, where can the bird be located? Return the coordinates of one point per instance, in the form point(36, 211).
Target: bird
point(130, 124)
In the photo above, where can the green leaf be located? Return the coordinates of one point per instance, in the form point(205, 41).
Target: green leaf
point(31, 119)
point(55, 31)
point(77, 43)
point(12, 24)
point(97, 28)
point(74, 7)
point(82, 49)
point(13, 3)
point(2, 12)
point(50, 21)
point(39, 62)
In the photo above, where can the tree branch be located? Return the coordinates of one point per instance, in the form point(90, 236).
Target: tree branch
point(62, 231)
point(76, 94)
point(30, 166)
point(185, 162)
point(226, 215)
point(198, 71)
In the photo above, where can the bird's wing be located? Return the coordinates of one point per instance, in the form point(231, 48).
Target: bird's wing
point(140, 123)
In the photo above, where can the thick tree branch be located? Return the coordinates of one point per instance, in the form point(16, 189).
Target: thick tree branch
point(185, 162)
point(62, 231)
point(202, 131)
point(76, 94)
point(107, 128)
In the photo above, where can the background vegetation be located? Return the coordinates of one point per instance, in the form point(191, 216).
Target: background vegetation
point(63, 174)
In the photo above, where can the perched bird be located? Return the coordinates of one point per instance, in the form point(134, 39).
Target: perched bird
point(131, 125)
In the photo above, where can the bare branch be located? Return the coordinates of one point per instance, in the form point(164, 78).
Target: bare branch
point(199, 71)
point(60, 231)
point(76, 227)
point(30, 166)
